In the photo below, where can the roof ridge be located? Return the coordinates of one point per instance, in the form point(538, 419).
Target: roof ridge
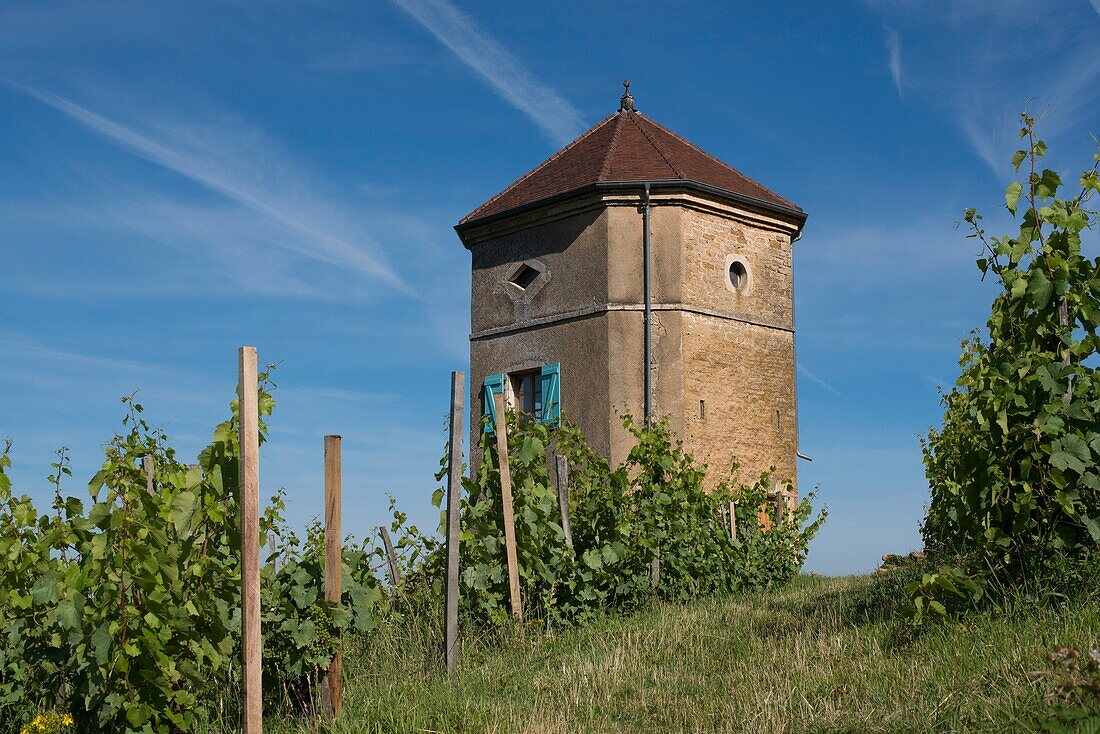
point(605, 168)
point(538, 168)
point(656, 146)
point(720, 162)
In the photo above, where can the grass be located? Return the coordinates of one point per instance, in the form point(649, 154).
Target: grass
point(822, 655)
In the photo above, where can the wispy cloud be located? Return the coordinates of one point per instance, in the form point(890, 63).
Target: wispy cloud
point(818, 381)
point(237, 162)
point(558, 119)
point(965, 60)
point(31, 350)
point(893, 48)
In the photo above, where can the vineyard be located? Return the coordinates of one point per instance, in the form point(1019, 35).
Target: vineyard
point(130, 611)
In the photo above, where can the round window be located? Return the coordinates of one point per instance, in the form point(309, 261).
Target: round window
point(739, 276)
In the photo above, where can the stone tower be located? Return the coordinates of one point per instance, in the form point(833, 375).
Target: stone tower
point(559, 302)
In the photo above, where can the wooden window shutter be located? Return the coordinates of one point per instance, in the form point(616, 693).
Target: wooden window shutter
point(551, 393)
point(493, 384)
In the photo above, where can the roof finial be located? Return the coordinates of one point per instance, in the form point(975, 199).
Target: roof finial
point(626, 102)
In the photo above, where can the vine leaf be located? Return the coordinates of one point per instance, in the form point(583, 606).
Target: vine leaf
point(1012, 195)
point(182, 510)
point(1039, 288)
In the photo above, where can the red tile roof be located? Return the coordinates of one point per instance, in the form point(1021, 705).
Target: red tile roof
point(626, 146)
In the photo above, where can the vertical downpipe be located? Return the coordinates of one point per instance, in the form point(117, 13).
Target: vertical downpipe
point(648, 319)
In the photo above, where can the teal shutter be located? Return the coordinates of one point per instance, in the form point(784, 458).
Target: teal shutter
point(551, 393)
point(493, 384)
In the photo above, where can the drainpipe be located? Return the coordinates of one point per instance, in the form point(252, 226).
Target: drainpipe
point(648, 319)
point(794, 348)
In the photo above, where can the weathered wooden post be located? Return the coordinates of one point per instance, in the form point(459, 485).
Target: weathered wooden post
point(333, 563)
point(776, 495)
point(249, 480)
point(506, 505)
point(563, 497)
point(391, 557)
point(454, 515)
point(147, 465)
point(733, 520)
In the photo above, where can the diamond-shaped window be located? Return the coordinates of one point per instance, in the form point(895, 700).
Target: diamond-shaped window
point(525, 276)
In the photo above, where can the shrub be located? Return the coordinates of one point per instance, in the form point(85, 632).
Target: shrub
point(644, 530)
point(126, 616)
point(1013, 469)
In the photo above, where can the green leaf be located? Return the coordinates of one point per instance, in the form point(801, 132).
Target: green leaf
point(437, 498)
point(532, 449)
point(1018, 158)
point(137, 714)
point(1012, 195)
point(1048, 184)
point(1039, 288)
point(182, 510)
point(99, 513)
point(304, 634)
point(45, 589)
point(1093, 527)
point(68, 615)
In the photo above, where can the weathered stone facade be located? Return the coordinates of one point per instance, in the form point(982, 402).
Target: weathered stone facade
point(731, 349)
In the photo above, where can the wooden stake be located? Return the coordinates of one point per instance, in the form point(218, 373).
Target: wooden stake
point(454, 516)
point(333, 563)
point(733, 520)
point(391, 557)
point(271, 549)
point(147, 465)
point(249, 481)
point(506, 506)
point(563, 497)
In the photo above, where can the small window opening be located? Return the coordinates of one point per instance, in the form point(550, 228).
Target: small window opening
point(525, 276)
point(702, 410)
point(739, 276)
point(527, 389)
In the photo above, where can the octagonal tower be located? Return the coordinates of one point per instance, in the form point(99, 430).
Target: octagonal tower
point(559, 314)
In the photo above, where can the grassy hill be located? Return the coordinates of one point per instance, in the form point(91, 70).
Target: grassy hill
point(822, 655)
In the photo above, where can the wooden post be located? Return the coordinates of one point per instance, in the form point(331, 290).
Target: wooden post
point(333, 563)
point(563, 497)
point(454, 516)
point(147, 465)
point(249, 480)
point(733, 520)
point(506, 506)
point(391, 557)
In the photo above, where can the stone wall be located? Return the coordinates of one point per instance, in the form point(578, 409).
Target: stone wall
point(709, 239)
point(738, 354)
point(744, 375)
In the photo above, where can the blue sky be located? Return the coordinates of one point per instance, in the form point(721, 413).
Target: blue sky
point(177, 179)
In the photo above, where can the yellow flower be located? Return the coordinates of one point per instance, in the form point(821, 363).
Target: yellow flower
point(48, 723)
